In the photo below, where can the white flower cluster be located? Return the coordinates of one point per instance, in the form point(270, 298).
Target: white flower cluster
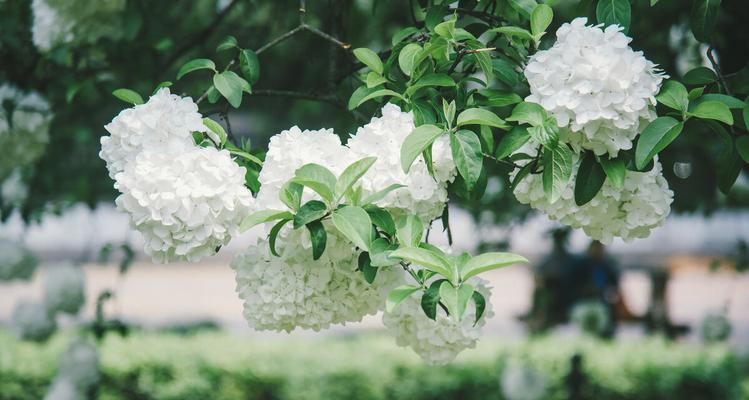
point(59, 22)
point(591, 317)
point(715, 327)
point(600, 91)
point(24, 129)
point(641, 205)
point(186, 200)
point(16, 262)
point(383, 138)
point(520, 381)
point(437, 341)
point(64, 289)
point(32, 321)
point(294, 291)
point(78, 371)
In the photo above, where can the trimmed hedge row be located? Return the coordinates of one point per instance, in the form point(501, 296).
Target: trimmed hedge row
point(213, 365)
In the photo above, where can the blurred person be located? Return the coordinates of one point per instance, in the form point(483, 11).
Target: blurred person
point(600, 281)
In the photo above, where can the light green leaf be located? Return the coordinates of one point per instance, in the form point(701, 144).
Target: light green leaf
point(514, 31)
point(512, 141)
point(249, 65)
point(416, 142)
point(369, 58)
point(351, 174)
point(229, 42)
point(263, 216)
point(426, 259)
point(380, 194)
point(654, 138)
point(409, 230)
point(712, 110)
point(291, 195)
point(376, 94)
point(310, 211)
point(674, 95)
point(402, 34)
point(317, 178)
point(524, 7)
point(229, 88)
point(397, 295)
point(128, 96)
point(497, 98)
point(528, 113)
point(446, 29)
point(590, 178)
point(429, 81)
point(614, 12)
point(195, 65)
point(216, 128)
point(374, 79)
point(480, 116)
point(557, 171)
point(729, 101)
point(407, 57)
point(354, 223)
point(456, 299)
point(546, 134)
point(466, 152)
point(487, 262)
point(615, 170)
point(541, 19)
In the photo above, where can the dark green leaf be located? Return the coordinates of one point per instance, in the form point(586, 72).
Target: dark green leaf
point(729, 101)
point(712, 109)
point(249, 65)
point(614, 12)
point(365, 266)
point(319, 238)
point(429, 81)
point(466, 152)
point(654, 138)
point(673, 94)
point(528, 113)
point(273, 235)
point(512, 141)
point(480, 302)
point(546, 134)
point(402, 34)
point(431, 298)
point(310, 211)
point(229, 42)
point(590, 178)
point(416, 142)
point(381, 218)
point(700, 76)
point(742, 147)
point(703, 18)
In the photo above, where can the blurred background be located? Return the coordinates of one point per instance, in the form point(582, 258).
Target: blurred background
point(662, 317)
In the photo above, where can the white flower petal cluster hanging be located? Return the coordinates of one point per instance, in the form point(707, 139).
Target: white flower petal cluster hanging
point(64, 289)
point(32, 321)
point(601, 92)
point(78, 371)
point(59, 22)
point(186, 200)
point(16, 262)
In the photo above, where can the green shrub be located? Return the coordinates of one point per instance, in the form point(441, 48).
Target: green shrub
point(215, 365)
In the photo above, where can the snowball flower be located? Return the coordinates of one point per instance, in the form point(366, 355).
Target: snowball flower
point(715, 327)
point(75, 21)
point(291, 149)
point(31, 321)
point(295, 291)
point(595, 85)
point(630, 212)
point(16, 262)
point(24, 129)
point(165, 123)
point(383, 138)
point(591, 317)
point(437, 341)
point(64, 289)
point(186, 205)
point(63, 389)
point(80, 365)
point(520, 381)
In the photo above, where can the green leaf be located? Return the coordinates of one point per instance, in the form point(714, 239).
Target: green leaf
point(614, 12)
point(674, 95)
point(244, 155)
point(512, 141)
point(696, 92)
point(273, 235)
point(528, 113)
point(195, 65)
point(654, 138)
point(216, 128)
point(352, 174)
point(703, 18)
point(541, 19)
point(466, 152)
point(514, 31)
point(416, 142)
point(229, 88)
point(356, 97)
point(239, 81)
point(742, 146)
point(546, 134)
point(480, 303)
point(456, 299)
point(249, 65)
point(312, 210)
point(615, 170)
point(409, 230)
point(128, 96)
point(381, 218)
point(397, 295)
point(380, 251)
point(407, 56)
point(431, 298)
point(317, 178)
point(557, 171)
point(374, 79)
point(712, 110)
point(291, 195)
point(161, 85)
point(497, 98)
point(505, 71)
point(369, 58)
point(425, 258)
point(482, 59)
point(524, 172)
point(480, 116)
point(487, 262)
point(379, 195)
point(229, 42)
point(374, 95)
point(700, 76)
point(430, 80)
point(354, 223)
point(365, 266)
point(446, 29)
point(448, 110)
point(524, 7)
point(745, 115)
point(403, 34)
point(590, 178)
point(318, 237)
point(729, 101)
point(263, 216)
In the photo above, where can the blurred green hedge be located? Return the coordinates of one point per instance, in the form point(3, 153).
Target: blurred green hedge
point(212, 365)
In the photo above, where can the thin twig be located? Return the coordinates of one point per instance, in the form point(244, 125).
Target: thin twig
point(717, 69)
point(458, 58)
point(327, 37)
point(279, 39)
